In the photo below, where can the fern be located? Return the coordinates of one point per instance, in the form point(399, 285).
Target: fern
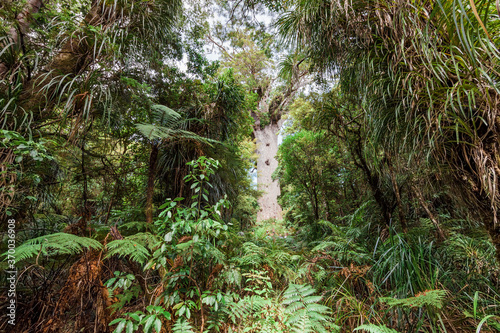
point(253, 254)
point(324, 245)
point(305, 314)
point(232, 276)
point(128, 248)
point(371, 328)
point(146, 239)
point(137, 225)
point(427, 298)
point(169, 124)
point(245, 307)
point(182, 326)
point(54, 244)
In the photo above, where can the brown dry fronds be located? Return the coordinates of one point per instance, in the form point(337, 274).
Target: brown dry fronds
point(84, 297)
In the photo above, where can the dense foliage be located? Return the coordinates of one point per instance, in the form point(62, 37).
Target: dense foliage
point(128, 144)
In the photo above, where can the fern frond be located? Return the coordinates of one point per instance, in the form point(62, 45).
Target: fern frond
point(55, 244)
point(305, 314)
point(169, 124)
point(427, 298)
point(232, 276)
point(127, 248)
point(182, 326)
point(323, 245)
point(137, 225)
point(371, 328)
point(296, 292)
point(146, 239)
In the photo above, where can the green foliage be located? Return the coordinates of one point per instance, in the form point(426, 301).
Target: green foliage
point(404, 108)
point(371, 328)
point(133, 320)
point(168, 125)
point(305, 314)
point(124, 283)
point(24, 148)
point(309, 166)
point(54, 244)
point(406, 267)
point(128, 248)
point(120, 280)
point(182, 326)
point(431, 298)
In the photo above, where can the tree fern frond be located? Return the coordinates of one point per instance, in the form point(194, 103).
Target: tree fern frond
point(127, 248)
point(55, 244)
point(146, 239)
point(169, 124)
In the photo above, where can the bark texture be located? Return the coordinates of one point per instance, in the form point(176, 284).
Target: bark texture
point(267, 148)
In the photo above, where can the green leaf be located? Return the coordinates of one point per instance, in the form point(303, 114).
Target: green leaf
point(371, 328)
point(158, 325)
point(148, 324)
point(118, 320)
point(120, 326)
point(130, 327)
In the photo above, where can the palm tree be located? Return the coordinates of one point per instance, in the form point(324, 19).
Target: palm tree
point(168, 127)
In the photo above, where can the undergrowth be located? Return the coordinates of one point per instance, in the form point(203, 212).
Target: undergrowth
point(192, 271)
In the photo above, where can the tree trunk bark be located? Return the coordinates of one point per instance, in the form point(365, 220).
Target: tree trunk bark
point(153, 160)
point(432, 217)
point(267, 143)
point(373, 181)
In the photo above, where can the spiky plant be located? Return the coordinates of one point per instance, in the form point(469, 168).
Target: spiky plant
point(426, 73)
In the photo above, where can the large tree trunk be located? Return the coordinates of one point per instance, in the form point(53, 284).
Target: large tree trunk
point(267, 148)
point(153, 160)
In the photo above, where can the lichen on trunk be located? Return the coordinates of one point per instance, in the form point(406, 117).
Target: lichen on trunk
point(267, 148)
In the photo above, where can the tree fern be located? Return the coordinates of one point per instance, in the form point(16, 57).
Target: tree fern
point(371, 328)
point(146, 239)
point(55, 244)
point(168, 124)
